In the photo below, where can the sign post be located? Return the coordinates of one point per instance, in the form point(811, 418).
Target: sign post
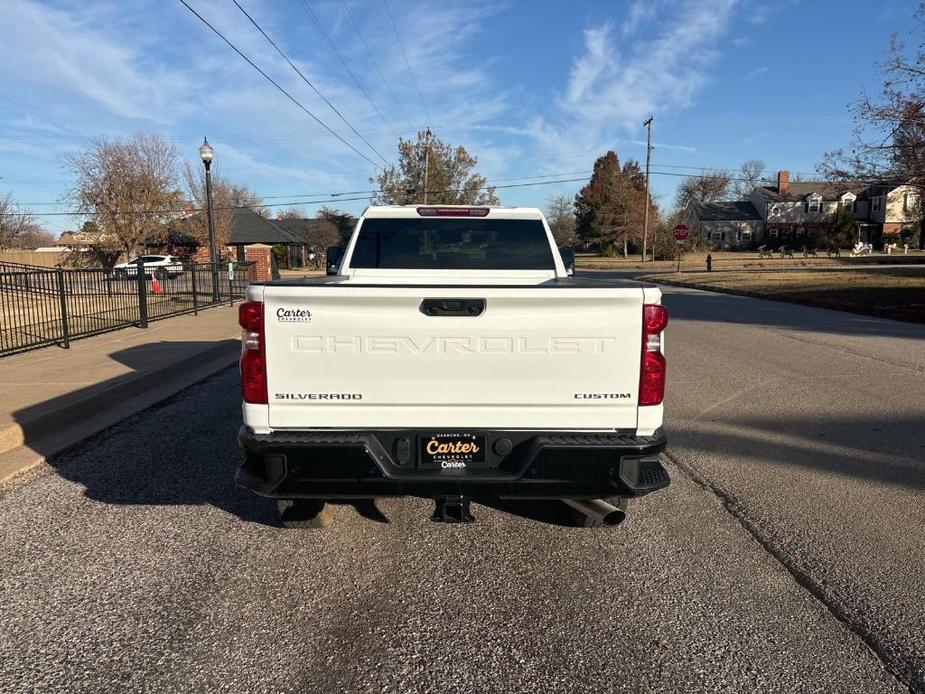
point(680, 233)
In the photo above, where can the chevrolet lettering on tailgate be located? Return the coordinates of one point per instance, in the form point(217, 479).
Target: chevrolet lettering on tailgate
point(450, 354)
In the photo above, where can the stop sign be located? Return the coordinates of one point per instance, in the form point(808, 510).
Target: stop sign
point(680, 232)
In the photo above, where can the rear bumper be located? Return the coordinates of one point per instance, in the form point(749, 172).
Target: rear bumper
point(530, 465)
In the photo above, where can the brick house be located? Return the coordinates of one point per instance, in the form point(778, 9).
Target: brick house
point(797, 213)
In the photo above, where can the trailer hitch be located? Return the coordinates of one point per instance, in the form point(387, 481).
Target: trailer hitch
point(452, 509)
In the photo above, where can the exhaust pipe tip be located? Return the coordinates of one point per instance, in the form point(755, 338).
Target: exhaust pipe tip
point(597, 513)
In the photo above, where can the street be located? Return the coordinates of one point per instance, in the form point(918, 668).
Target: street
point(788, 554)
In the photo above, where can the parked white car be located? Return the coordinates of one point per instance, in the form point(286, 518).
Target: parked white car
point(160, 266)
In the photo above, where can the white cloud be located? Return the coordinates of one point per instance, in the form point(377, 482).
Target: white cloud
point(65, 54)
point(620, 79)
point(756, 72)
point(656, 74)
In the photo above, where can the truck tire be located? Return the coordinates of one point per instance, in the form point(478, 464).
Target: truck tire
point(308, 514)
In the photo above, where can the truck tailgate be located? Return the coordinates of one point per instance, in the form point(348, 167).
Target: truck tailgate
point(367, 357)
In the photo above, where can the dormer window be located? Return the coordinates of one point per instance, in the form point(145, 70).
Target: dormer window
point(875, 204)
point(848, 202)
point(814, 203)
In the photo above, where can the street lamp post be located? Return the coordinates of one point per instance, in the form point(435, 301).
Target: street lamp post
point(206, 152)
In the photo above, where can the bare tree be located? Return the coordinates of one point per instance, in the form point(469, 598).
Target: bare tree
point(16, 223)
point(751, 175)
point(128, 186)
point(226, 196)
point(36, 237)
point(560, 213)
point(888, 143)
point(709, 186)
point(444, 171)
point(291, 213)
point(322, 235)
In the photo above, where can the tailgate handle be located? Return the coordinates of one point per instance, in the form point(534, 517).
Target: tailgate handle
point(452, 307)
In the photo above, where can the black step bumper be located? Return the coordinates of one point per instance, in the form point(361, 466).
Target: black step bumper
point(528, 465)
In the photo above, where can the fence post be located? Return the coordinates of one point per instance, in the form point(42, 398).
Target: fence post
point(62, 299)
point(231, 283)
point(192, 269)
point(142, 294)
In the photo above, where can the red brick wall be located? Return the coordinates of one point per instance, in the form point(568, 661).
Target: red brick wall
point(892, 228)
point(259, 254)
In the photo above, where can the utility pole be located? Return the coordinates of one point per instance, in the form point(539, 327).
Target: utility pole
point(426, 152)
point(645, 224)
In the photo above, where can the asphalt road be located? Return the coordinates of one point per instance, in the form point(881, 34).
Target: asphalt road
point(786, 556)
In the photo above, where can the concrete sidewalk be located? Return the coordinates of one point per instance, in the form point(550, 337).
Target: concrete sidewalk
point(52, 398)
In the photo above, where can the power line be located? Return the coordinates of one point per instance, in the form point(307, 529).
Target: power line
point(306, 80)
point(361, 195)
point(332, 199)
point(307, 7)
point(404, 55)
point(276, 84)
point(375, 63)
point(295, 196)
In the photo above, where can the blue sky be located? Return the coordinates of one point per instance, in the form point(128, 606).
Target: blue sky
point(532, 88)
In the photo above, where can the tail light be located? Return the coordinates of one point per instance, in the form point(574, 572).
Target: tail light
point(253, 353)
point(653, 370)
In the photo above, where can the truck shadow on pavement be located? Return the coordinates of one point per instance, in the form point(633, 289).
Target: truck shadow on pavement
point(179, 451)
point(888, 452)
point(183, 451)
point(698, 306)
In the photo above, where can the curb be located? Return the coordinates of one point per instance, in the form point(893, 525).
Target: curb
point(25, 445)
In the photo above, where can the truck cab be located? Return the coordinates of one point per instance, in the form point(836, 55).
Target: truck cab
point(452, 357)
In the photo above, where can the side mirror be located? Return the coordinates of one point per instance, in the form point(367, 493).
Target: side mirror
point(332, 259)
point(568, 259)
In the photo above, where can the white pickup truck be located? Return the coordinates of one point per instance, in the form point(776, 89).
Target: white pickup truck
point(450, 356)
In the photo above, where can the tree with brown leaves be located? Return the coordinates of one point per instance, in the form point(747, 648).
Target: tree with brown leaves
point(609, 210)
point(129, 187)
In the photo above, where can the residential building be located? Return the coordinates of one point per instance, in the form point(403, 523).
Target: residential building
point(797, 213)
point(729, 225)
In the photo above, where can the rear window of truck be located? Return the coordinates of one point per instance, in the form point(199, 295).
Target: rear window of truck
point(453, 244)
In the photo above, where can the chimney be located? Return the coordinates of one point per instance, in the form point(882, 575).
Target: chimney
point(783, 182)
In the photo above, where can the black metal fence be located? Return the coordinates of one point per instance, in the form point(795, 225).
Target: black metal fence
point(52, 306)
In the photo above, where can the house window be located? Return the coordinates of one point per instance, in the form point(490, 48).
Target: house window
point(875, 204)
point(801, 232)
point(910, 202)
point(848, 204)
point(773, 233)
point(815, 204)
point(719, 235)
point(745, 235)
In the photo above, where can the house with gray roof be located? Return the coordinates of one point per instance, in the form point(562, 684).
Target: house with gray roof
point(798, 214)
point(727, 225)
